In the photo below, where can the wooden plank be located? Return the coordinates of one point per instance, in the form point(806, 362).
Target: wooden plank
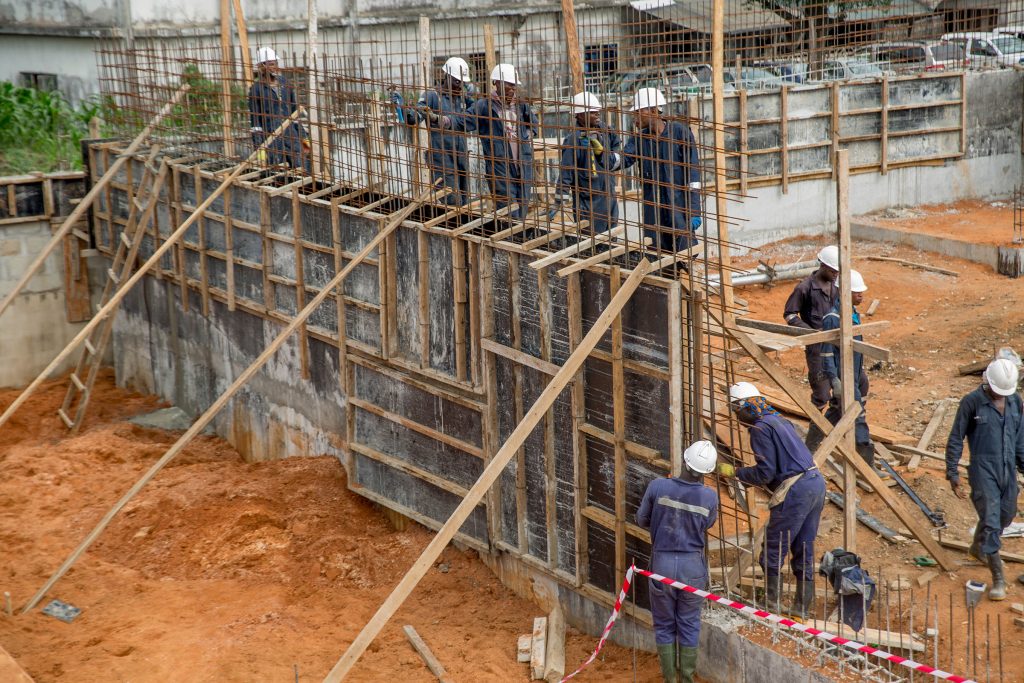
point(619, 431)
point(425, 654)
point(77, 304)
point(744, 142)
point(423, 281)
point(488, 371)
point(225, 76)
point(873, 307)
point(721, 182)
point(523, 648)
point(517, 398)
point(460, 304)
point(577, 392)
point(784, 136)
point(884, 113)
point(892, 640)
point(914, 264)
point(490, 474)
point(576, 249)
point(490, 57)
point(842, 162)
point(963, 545)
point(300, 282)
point(572, 45)
point(929, 434)
point(793, 331)
point(538, 648)
point(550, 477)
point(554, 658)
point(243, 42)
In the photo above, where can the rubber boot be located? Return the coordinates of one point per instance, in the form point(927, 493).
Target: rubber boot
point(1020, 579)
point(803, 601)
point(667, 660)
point(773, 586)
point(687, 664)
point(975, 549)
point(814, 437)
point(998, 590)
point(867, 452)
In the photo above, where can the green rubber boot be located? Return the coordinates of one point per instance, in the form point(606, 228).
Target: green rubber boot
point(667, 660)
point(687, 664)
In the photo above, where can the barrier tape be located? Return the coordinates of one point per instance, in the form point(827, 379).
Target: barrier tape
point(768, 616)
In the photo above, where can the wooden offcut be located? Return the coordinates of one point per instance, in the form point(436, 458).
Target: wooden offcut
point(425, 654)
point(538, 648)
point(554, 657)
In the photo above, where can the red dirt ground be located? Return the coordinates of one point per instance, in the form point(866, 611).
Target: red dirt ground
point(968, 221)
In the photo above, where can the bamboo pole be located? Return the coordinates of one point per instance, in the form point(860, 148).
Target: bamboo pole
point(170, 242)
point(494, 469)
point(200, 424)
point(89, 198)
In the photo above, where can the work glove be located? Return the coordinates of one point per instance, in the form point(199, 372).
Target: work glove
point(429, 115)
point(396, 98)
point(696, 222)
point(596, 145)
point(726, 470)
point(306, 145)
point(837, 388)
point(958, 489)
point(261, 156)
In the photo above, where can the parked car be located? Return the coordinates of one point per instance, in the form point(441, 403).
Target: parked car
point(989, 49)
point(847, 69)
point(753, 78)
point(673, 80)
point(789, 71)
point(1016, 30)
point(915, 55)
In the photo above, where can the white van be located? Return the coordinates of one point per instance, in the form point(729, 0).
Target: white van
point(989, 49)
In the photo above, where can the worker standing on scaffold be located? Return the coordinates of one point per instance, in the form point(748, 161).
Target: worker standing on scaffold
point(679, 511)
point(271, 101)
point(589, 154)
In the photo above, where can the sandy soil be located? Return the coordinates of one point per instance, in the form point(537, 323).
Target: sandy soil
point(221, 570)
point(968, 221)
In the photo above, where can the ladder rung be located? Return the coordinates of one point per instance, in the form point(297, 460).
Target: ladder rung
point(89, 347)
point(125, 241)
point(77, 382)
point(113, 276)
point(64, 416)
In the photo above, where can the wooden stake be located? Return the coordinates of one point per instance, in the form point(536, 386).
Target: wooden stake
point(243, 42)
point(842, 163)
point(538, 648)
point(425, 654)
point(225, 77)
point(487, 478)
point(572, 45)
point(929, 434)
point(200, 424)
point(554, 657)
point(490, 57)
point(88, 199)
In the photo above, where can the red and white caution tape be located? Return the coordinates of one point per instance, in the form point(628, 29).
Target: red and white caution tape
point(767, 616)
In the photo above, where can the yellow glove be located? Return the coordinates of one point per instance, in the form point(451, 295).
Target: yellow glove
point(261, 156)
point(596, 145)
point(726, 470)
point(306, 145)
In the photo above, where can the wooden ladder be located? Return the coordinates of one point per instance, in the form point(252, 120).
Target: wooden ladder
point(139, 215)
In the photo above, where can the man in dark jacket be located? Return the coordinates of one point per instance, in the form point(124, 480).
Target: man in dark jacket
point(589, 154)
point(990, 418)
point(670, 173)
point(807, 306)
point(271, 101)
point(679, 511)
point(444, 110)
point(786, 468)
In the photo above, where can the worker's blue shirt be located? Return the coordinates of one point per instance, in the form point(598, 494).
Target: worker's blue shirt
point(588, 176)
point(831, 361)
point(269, 105)
point(451, 138)
point(779, 451)
point(678, 514)
point(496, 146)
point(997, 441)
point(670, 175)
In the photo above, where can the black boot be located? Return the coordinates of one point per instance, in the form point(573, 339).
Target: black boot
point(867, 452)
point(803, 601)
point(975, 549)
point(998, 590)
point(772, 588)
point(814, 438)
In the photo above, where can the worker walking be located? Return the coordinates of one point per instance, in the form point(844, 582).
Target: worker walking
point(444, 111)
point(678, 511)
point(589, 154)
point(271, 101)
point(831, 365)
point(669, 170)
point(506, 127)
point(786, 468)
point(991, 420)
point(807, 306)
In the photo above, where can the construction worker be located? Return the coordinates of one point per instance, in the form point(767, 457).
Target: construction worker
point(679, 510)
point(669, 170)
point(444, 110)
point(506, 127)
point(785, 467)
point(831, 363)
point(807, 306)
point(271, 101)
point(990, 419)
point(589, 154)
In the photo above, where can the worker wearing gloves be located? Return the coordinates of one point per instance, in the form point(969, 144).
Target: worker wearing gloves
point(506, 126)
point(679, 510)
point(812, 299)
point(990, 419)
point(786, 468)
point(271, 101)
point(589, 154)
point(670, 173)
point(831, 363)
point(444, 111)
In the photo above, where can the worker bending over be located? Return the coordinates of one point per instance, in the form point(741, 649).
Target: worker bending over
point(807, 306)
point(444, 111)
point(589, 154)
point(831, 365)
point(679, 511)
point(271, 101)
point(990, 419)
point(785, 467)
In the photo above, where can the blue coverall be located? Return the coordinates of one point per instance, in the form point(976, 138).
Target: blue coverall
point(792, 524)
point(830, 365)
point(678, 514)
point(670, 177)
point(997, 450)
point(509, 171)
point(269, 106)
point(588, 177)
point(447, 155)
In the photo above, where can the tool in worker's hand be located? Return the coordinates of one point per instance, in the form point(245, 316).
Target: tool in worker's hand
point(936, 518)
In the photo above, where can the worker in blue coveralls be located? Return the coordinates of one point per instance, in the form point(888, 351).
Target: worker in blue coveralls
point(444, 110)
point(831, 363)
point(589, 154)
point(506, 128)
point(271, 101)
point(990, 418)
point(679, 510)
point(786, 468)
point(670, 173)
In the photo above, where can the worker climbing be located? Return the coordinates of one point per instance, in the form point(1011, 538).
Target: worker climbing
point(271, 101)
point(679, 510)
point(589, 153)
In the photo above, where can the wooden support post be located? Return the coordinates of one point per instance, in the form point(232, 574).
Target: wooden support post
point(201, 423)
point(619, 427)
point(834, 119)
point(572, 45)
point(423, 282)
point(488, 477)
point(243, 42)
point(554, 658)
point(424, 72)
point(425, 654)
point(842, 163)
point(784, 136)
point(300, 282)
point(88, 199)
point(884, 114)
point(697, 354)
point(313, 89)
point(744, 143)
point(490, 57)
point(718, 106)
point(225, 77)
point(550, 473)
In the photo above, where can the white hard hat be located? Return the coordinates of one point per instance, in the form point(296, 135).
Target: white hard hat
point(1001, 376)
point(457, 68)
point(646, 98)
point(506, 73)
point(701, 457)
point(829, 256)
point(857, 282)
point(742, 390)
point(265, 54)
point(585, 101)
